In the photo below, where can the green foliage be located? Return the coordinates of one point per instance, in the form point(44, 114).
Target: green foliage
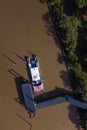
point(72, 61)
point(75, 22)
point(58, 10)
point(85, 58)
point(55, 2)
point(67, 26)
point(81, 77)
point(80, 82)
point(81, 3)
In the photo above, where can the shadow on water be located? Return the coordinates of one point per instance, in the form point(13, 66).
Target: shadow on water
point(57, 92)
point(32, 54)
point(25, 121)
point(27, 68)
point(42, 1)
point(21, 58)
point(19, 80)
point(60, 58)
point(64, 76)
point(14, 73)
point(9, 59)
point(74, 116)
point(50, 29)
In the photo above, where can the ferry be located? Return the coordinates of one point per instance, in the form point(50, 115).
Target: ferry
point(36, 79)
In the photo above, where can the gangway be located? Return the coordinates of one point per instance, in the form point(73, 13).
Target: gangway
point(51, 102)
point(76, 102)
point(67, 98)
point(32, 106)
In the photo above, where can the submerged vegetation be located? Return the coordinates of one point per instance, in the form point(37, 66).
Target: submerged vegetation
point(70, 20)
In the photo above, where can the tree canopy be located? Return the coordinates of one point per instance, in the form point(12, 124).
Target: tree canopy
point(81, 3)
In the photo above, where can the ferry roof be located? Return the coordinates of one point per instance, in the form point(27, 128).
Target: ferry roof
point(35, 74)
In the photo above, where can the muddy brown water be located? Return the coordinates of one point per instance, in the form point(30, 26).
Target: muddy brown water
point(24, 29)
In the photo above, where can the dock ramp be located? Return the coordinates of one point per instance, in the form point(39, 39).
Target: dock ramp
point(28, 98)
point(76, 102)
point(62, 100)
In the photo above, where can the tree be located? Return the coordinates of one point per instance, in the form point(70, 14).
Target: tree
point(81, 3)
point(68, 29)
point(54, 2)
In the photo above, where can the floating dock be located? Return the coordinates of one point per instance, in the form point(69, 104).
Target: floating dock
point(28, 98)
point(32, 106)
